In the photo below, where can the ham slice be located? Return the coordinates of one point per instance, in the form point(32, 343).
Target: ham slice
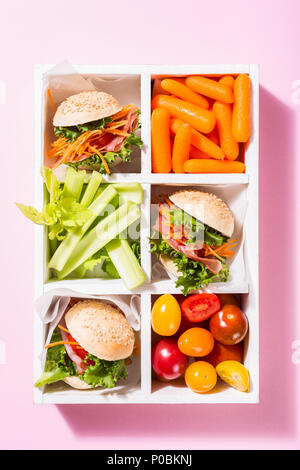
point(113, 143)
point(214, 265)
point(190, 250)
point(118, 141)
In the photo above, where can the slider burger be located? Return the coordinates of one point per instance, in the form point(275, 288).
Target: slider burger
point(89, 347)
point(191, 238)
point(94, 132)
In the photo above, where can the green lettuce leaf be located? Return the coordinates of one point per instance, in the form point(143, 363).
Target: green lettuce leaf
point(194, 274)
point(104, 373)
point(110, 269)
point(136, 248)
point(58, 364)
point(110, 157)
point(199, 231)
point(72, 132)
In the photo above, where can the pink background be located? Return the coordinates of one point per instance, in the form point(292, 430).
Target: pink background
point(265, 32)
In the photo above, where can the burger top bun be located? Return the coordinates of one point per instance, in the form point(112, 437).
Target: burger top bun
point(76, 382)
point(206, 208)
point(85, 107)
point(100, 329)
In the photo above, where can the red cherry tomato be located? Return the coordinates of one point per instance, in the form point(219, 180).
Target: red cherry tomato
point(199, 307)
point(222, 353)
point(229, 326)
point(168, 361)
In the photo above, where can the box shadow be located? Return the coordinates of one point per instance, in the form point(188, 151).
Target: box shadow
point(276, 414)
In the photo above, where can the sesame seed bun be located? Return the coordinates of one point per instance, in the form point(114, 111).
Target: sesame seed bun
point(85, 107)
point(76, 382)
point(206, 208)
point(100, 329)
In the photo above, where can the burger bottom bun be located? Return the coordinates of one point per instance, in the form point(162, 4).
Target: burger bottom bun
point(76, 382)
point(169, 265)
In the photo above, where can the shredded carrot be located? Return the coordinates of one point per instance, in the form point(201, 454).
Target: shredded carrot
point(167, 200)
point(86, 143)
point(123, 112)
point(212, 252)
point(165, 211)
point(115, 124)
point(102, 159)
point(116, 132)
point(64, 329)
point(60, 342)
point(68, 151)
point(51, 101)
point(226, 246)
point(223, 251)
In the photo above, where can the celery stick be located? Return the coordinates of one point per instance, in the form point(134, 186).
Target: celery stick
point(51, 183)
point(105, 231)
point(73, 183)
point(53, 246)
point(91, 189)
point(126, 263)
point(65, 249)
point(130, 192)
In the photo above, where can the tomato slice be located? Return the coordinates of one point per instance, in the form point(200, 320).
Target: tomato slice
point(82, 353)
point(200, 307)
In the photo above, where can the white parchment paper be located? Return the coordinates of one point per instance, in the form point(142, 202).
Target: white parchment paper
point(52, 305)
point(63, 81)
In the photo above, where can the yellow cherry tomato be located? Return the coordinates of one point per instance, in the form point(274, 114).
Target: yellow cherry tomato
point(234, 374)
point(201, 377)
point(196, 342)
point(166, 315)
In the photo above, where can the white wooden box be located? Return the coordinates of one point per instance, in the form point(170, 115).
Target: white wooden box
point(149, 391)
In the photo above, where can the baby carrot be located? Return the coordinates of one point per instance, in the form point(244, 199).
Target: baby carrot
point(196, 153)
point(213, 166)
point(213, 136)
point(211, 88)
point(160, 141)
point(223, 113)
point(181, 149)
point(200, 141)
point(241, 126)
point(227, 80)
point(199, 118)
point(185, 93)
